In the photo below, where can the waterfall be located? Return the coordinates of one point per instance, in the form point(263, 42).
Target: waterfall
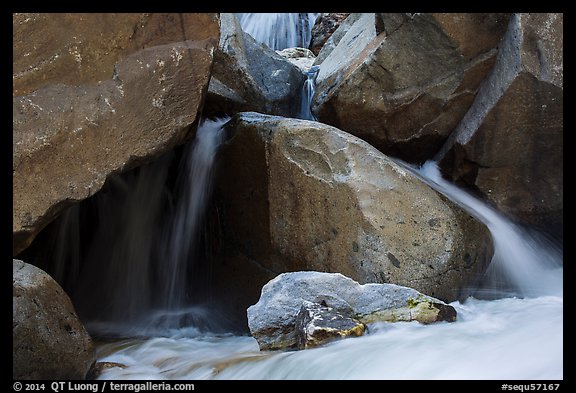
point(193, 189)
point(510, 338)
point(279, 30)
point(308, 94)
point(135, 271)
point(138, 264)
point(526, 261)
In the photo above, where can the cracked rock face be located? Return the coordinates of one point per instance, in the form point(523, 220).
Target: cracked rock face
point(299, 195)
point(49, 341)
point(318, 324)
point(516, 122)
point(94, 94)
point(307, 309)
point(402, 82)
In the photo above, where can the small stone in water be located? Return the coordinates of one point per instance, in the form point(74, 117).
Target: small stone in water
point(317, 324)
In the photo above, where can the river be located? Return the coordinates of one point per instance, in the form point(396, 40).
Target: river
point(512, 328)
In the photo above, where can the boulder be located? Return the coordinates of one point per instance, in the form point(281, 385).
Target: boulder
point(336, 36)
point(249, 76)
point(96, 94)
point(283, 316)
point(402, 82)
point(48, 340)
point(301, 57)
point(300, 195)
point(515, 122)
point(323, 28)
point(317, 324)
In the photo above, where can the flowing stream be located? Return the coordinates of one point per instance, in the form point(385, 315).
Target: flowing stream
point(511, 329)
point(147, 227)
point(519, 336)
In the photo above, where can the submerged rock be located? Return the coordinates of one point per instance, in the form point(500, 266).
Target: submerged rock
point(49, 341)
point(300, 195)
point(99, 367)
point(284, 316)
point(95, 94)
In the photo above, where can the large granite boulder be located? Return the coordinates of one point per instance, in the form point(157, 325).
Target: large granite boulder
point(402, 82)
point(48, 339)
point(509, 146)
point(282, 317)
point(249, 76)
point(94, 94)
point(300, 195)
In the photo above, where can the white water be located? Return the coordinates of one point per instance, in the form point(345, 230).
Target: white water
point(137, 265)
point(308, 93)
point(499, 339)
point(509, 338)
point(279, 30)
point(527, 261)
point(195, 185)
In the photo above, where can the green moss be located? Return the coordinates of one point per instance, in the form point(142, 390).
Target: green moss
point(412, 303)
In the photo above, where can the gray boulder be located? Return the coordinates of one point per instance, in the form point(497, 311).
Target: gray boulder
point(249, 76)
point(336, 36)
point(283, 301)
point(49, 341)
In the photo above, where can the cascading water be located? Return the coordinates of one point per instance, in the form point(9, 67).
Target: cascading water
point(137, 267)
point(528, 263)
point(194, 185)
point(492, 339)
point(516, 334)
point(308, 94)
point(279, 30)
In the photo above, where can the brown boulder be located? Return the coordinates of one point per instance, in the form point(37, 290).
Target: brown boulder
point(49, 341)
point(299, 195)
point(96, 94)
point(323, 28)
point(509, 147)
point(402, 82)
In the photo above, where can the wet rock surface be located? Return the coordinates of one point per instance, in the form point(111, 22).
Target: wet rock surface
point(306, 309)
